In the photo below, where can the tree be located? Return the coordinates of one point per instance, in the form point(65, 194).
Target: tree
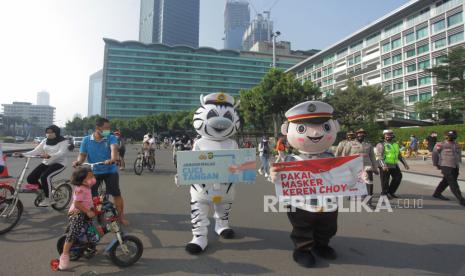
point(358, 105)
point(273, 96)
point(449, 101)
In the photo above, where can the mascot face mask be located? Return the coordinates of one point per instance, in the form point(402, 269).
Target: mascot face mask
point(311, 128)
point(216, 118)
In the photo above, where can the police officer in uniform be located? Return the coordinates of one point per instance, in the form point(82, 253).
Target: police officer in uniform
point(365, 149)
point(447, 157)
point(350, 136)
point(388, 155)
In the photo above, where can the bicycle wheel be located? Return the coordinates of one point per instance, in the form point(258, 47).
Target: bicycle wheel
point(138, 166)
point(62, 195)
point(9, 214)
point(74, 254)
point(124, 259)
point(151, 163)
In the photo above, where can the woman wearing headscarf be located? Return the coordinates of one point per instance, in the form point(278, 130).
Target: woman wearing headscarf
point(53, 151)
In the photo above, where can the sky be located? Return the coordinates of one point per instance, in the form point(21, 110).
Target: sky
point(55, 45)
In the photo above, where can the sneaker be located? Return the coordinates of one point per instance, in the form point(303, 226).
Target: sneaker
point(45, 202)
point(260, 171)
point(266, 175)
point(64, 262)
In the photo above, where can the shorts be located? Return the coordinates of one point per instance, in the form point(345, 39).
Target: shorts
point(111, 184)
point(122, 151)
point(77, 225)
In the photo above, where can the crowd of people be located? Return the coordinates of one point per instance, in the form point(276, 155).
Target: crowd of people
point(109, 148)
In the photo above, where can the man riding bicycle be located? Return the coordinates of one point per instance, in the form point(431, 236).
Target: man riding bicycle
point(148, 145)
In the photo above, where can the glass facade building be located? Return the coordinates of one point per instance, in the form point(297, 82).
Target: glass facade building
point(170, 22)
point(140, 79)
point(236, 21)
point(392, 52)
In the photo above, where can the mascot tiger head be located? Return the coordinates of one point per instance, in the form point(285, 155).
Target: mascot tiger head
point(216, 118)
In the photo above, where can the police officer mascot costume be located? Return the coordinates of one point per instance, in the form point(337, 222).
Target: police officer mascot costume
point(311, 129)
point(216, 120)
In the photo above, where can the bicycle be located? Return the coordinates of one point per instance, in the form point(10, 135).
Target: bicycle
point(144, 160)
point(107, 221)
point(11, 207)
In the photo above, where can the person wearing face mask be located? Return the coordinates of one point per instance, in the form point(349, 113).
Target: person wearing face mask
point(53, 150)
point(350, 136)
point(101, 146)
point(388, 155)
point(80, 212)
point(447, 157)
point(365, 149)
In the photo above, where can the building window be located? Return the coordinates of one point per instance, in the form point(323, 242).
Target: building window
point(440, 59)
point(413, 115)
point(439, 26)
point(456, 38)
point(439, 43)
point(386, 47)
point(412, 99)
point(387, 75)
point(386, 61)
point(410, 37)
point(397, 72)
point(412, 83)
point(396, 58)
point(423, 64)
point(387, 88)
point(425, 96)
point(424, 80)
point(410, 53)
point(357, 59)
point(411, 68)
point(421, 33)
point(399, 100)
point(422, 49)
point(396, 43)
point(454, 19)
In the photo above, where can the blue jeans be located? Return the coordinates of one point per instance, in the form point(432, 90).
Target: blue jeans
point(265, 166)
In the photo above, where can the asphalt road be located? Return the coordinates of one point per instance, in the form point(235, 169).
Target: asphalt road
point(409, 241)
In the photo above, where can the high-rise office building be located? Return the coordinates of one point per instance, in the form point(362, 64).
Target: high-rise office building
point(140, 79)
point(170, 22)
point(393, 52)
point(94, 101)
point(259, 30)
point(236, 21)
point(43, 98)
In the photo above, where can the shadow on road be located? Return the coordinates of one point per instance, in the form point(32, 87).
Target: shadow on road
point(351, 250)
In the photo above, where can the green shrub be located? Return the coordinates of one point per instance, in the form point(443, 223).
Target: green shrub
point(403, 134)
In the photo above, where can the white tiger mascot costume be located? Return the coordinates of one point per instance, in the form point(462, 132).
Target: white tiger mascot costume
point(215, 120)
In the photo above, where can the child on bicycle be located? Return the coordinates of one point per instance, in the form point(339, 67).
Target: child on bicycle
point(80, 212)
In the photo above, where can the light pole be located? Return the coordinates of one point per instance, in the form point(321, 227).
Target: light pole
point(274, 36)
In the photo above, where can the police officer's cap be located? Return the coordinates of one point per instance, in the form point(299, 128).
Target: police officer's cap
point(314, 112)
point(218, 99)
point(387, 131)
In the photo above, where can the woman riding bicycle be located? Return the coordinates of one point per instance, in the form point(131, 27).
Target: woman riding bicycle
point(53, 151)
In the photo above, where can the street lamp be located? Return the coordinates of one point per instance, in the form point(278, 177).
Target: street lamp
point(273, 37)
